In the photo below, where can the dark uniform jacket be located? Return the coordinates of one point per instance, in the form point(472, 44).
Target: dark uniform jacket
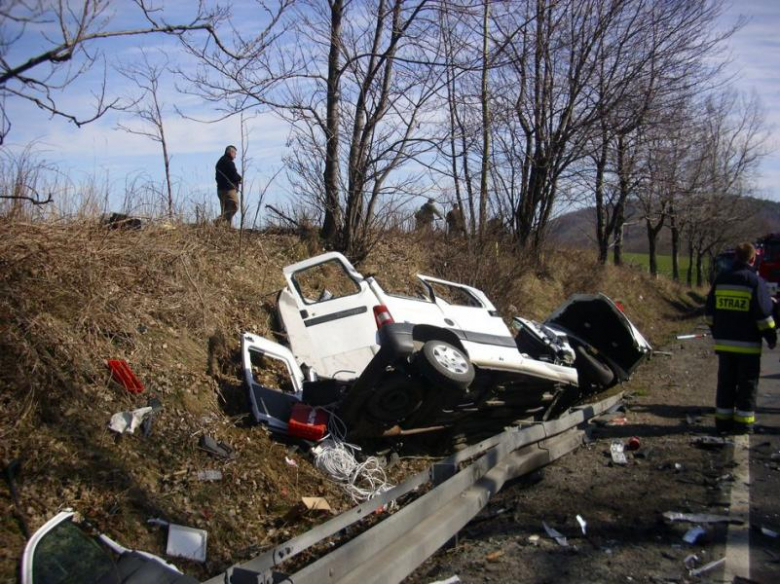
point(739, 311)
point(227, 175)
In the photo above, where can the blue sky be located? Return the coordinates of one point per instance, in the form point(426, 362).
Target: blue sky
point(101, 150)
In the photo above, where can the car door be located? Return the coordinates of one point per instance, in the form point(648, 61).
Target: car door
point(327, 311)
point(467, 309)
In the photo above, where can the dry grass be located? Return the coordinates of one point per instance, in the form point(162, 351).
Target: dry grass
point(172, 300)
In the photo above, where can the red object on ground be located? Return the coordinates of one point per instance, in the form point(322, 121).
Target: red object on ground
point(307, 422)
point(123, 375)
point(633, 443)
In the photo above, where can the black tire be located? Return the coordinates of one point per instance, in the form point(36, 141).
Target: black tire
point(594, 371)
point(396, 398)
point(444, 365)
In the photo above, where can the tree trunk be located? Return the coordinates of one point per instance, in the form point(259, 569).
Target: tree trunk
point(483, 184)
point(331, 220)
point(675, 247)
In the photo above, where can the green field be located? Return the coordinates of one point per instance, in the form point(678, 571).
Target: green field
point(664, 263)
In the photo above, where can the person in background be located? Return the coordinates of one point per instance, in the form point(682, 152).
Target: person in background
point(228, 180)
point(426, 215)
point(456, 224)
point(739, 313)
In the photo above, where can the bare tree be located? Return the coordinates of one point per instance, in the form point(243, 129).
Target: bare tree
point(67, 37)
point(150, 110)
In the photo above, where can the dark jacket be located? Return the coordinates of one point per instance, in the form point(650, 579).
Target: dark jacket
point(739, 310)
point(227, 175)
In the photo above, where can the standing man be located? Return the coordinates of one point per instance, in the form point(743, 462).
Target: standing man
point(228, 180)
point(739, 312)
point(456, 223)
point(426, 215)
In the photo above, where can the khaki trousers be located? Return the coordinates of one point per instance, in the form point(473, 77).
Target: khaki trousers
point(228, 205)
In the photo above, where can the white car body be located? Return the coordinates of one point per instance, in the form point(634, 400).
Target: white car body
point(337, 336)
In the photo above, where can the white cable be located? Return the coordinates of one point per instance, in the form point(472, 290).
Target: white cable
point(334, 456)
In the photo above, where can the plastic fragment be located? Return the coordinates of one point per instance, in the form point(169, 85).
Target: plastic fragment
point(693, 534)
point(533, 539)
point(699, 517)
point(707, 567)
point(691, 561)
point(583, 524)
point(616, 452)
point(451, 580)
point(209, 475)
point(128, 422)
point(556, 535)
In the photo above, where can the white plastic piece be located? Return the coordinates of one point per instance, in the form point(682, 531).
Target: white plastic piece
point(583, 524)
point(127, 422)
point(616, 451)
point(707, 567)
point(187, 542)
point(556, 535)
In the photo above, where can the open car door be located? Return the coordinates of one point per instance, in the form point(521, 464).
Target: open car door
point(60, 552)
point(327, 312)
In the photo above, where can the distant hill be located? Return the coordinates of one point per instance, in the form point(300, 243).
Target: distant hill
point(577, 228)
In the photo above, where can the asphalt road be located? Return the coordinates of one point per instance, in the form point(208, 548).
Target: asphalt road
point(764, 476)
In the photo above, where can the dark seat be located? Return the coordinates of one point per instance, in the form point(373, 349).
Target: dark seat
point(135, 568)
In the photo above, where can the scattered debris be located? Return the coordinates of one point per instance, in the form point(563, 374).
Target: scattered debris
point(307, 505)
point(700, 518)
point(209, 475)
point(678, 467)
point(556, 535)
point(693, 534)
point(184, 542)
point(494, 556)
point(122, 374)
point(766, 531)
point(693, 419)
point(290, 462)
point(707, 567)
point(146, 425)
point(633, 443)
point(362, 480)
point(583, 524)
point(617, 454)
point(218, 449)
point(692, 336)
point(451, 580)
point(664, 353)
point(534, 539)
point(128, 422)
point(775, 456)
point(711, 441)
point(691, 561)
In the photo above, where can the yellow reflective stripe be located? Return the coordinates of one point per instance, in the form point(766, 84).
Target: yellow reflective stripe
point(741, 292)
point(745, 419)
point(766, 323)
point(724, 415)
point(736, 349)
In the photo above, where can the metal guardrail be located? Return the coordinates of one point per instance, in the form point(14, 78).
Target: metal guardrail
point(392, 549)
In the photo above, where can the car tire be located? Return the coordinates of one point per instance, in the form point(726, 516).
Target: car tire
point(444, 365)
point(395, 399)
point(593, 370)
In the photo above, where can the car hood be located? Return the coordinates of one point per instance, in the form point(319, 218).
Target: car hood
point(597, 321)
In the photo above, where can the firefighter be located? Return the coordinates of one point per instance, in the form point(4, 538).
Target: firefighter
point(739, 313)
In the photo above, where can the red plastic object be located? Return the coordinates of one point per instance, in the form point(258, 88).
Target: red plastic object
point(307, 422)
point(633, 443)
point(123, 375)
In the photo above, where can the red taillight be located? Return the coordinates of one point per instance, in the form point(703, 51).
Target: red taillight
point(619, 306)
point(382, 316)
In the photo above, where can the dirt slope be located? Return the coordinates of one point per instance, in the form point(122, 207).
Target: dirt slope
point(172, 300)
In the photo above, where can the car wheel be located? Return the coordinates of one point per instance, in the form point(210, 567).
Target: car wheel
point(395, 399)
point(444, 365)
point(592, 369)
